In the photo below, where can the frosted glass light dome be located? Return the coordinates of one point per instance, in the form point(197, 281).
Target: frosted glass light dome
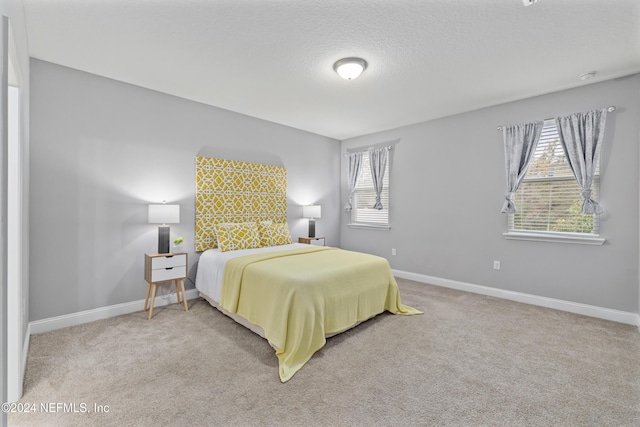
point(350, 68)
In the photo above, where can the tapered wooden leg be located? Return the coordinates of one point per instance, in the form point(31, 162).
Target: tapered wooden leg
point(184, 295)
point(153, 300)
point(177, 291)
point(146, 300)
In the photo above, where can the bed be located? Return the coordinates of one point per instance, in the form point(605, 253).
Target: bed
point(293, 295)
point(296, 295)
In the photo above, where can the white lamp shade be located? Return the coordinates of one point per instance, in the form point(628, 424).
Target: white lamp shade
point(164, 214)
point(311, 211)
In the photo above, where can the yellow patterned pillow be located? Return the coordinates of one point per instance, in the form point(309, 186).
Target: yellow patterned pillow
point(265, 236)
point(231, 237)
point(275, 234)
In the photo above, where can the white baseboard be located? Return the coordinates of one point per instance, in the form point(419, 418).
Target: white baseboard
point(572, 307)
point(50, 324)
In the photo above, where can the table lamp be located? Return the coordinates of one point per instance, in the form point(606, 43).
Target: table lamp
point(164, 214)
point(312, 212)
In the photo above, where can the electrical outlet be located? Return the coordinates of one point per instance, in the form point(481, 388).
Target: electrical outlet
point(496, 265)
point(167, 297)
point(393, 251)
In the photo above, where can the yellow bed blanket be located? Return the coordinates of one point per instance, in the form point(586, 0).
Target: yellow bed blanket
point(297, 296)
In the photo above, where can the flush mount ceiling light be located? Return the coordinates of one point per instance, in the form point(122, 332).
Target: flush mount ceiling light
point(350, 68)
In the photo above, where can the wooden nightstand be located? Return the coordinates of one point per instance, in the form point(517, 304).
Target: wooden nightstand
point(311, 240)
point(164, 267)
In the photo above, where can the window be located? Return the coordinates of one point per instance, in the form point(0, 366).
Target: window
point(548, 199)
point(364, 198)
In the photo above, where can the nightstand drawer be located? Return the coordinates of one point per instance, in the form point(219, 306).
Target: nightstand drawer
point(168, 261)
point(159, 275)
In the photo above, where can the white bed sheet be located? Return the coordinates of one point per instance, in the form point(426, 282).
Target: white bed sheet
point(212, 262)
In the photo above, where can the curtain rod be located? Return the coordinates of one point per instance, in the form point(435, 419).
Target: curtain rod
point(388, 147)
point(610, 109)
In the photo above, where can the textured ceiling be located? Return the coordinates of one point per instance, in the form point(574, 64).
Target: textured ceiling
point(273, 59)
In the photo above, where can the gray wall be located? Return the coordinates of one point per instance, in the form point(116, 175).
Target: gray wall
point(447, 183)
point(102, 150)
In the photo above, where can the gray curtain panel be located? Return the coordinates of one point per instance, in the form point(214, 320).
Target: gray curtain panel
point(520, 143)
point(581, 136)
point(378, 162)
point(355, 163)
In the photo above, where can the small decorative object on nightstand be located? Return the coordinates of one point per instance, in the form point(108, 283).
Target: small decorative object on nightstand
point(177, 245)
point(311, 240)
point(164, 267)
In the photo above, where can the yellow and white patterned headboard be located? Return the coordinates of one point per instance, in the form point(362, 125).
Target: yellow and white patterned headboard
point(234, 191)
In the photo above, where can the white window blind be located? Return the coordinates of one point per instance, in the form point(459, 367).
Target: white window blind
point(364, 197)
point(548, 199)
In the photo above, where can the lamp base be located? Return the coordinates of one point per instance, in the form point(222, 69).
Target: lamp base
point(163, 239)
point(312, 228)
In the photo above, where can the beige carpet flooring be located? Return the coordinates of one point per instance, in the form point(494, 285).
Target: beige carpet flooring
point(470, 360)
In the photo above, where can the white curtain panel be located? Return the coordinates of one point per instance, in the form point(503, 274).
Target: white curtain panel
point(520, 143)
point(581, 136)
point(355, 163)
point(378, 162)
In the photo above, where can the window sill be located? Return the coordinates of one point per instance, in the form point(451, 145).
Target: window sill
point(555, 238)
point(369, 226)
